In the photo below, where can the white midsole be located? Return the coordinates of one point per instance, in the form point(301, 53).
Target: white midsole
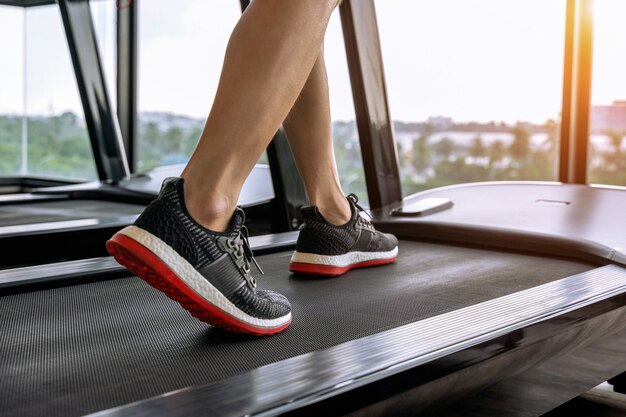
point(194, 280)
point(346, 259)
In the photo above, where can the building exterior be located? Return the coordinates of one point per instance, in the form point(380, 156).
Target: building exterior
point(608, 118)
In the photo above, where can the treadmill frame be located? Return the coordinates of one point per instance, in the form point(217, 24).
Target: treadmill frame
point(380, 165)
point(378, 367)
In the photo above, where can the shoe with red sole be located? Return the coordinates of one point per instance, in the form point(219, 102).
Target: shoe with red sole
point(207, 272)
point(326, 249)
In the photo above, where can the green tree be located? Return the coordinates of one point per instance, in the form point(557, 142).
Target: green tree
point(457, 171)
point(10, 144)
point(421, 158)
point(612, 169)
point(191, 139)
point(444, 148)
point(615, 158)
point(149, 150)
point(496, 152)
point(520, 147)
point(174, 140)
point(349, 163)
point(477, 149)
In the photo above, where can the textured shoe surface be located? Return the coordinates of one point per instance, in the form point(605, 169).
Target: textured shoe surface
point(326, 249)
point(207, 272)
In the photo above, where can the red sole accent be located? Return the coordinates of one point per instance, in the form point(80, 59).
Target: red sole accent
point(146, 265)
point(333, 271)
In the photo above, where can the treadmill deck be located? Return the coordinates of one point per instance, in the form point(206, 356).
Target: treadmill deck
point(103, 344)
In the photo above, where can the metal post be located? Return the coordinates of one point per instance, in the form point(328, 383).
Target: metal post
point(127, 76)
point(365, 63)
point(102, 124)
point(573, 154)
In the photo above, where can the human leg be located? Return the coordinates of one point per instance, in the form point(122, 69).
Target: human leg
point(268, 59)
point(308, 128)
point(190, 242)
point(335, 237)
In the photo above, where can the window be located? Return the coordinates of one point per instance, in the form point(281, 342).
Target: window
point(104, 15)
point(181, 50)
point(12, 122)
point(607, 161)
point(58, 143)
point(475, 88)
point(180, 58)
point(42, 125)
point(345, 134)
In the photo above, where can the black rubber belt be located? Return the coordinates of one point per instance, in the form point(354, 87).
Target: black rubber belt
point(79, 349)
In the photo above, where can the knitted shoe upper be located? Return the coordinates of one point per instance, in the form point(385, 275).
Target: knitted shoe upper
point(223, 258)
point(320, 237)
point(168, 218)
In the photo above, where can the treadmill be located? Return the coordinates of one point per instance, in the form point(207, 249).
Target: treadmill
point(511, 284)
point(452, 317)
point(73, 221)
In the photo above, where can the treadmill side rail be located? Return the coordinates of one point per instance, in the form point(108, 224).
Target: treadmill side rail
point(41, 274)
point(304, 380)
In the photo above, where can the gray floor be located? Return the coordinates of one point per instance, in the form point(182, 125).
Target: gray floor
point(601, 401)
point(546, 390)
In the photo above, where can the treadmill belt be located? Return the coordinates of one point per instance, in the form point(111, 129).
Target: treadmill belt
point(83, 348)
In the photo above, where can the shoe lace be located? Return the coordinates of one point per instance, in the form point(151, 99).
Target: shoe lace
point(239, 248)
point(355, 200)
point(362, 220)
point(243, 249)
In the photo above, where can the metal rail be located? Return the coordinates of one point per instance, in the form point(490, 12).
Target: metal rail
point(102, 123)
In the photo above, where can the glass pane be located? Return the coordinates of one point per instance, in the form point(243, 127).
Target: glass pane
point(181, 51)
point(58, 144)
point(474, 88)
point(607, 163)
point(104, 15)
point(345, 135)
point(11, 89)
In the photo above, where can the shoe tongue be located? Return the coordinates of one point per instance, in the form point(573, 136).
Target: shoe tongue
point(236, 223)
point(172, 182)
point(172, 190)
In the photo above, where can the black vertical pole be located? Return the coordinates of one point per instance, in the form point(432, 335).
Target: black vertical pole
point(127, 76)
point(102, 124)
point(365, 63)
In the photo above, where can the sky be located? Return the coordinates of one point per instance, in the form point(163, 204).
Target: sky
point(11, 59)
point(483, 60)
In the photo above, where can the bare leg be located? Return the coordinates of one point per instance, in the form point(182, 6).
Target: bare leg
point(269, 57)
point(308, 128)
point(355, 242)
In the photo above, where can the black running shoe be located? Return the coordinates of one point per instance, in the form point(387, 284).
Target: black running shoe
point(207, 272)
point(326, 249)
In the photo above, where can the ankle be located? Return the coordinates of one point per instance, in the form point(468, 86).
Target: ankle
point(214, 214)
point(336, 211)
point(211, 219)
